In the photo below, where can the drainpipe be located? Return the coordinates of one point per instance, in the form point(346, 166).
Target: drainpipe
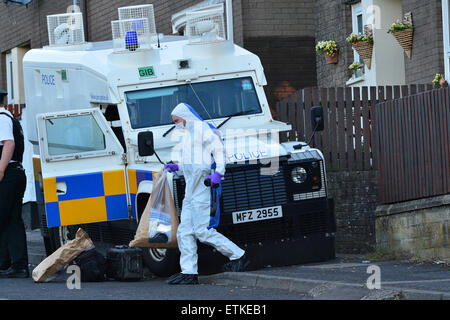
point(229, 8)
point(85, 18)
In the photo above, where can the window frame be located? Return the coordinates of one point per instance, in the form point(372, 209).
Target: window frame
point(205, 81)
point(357, 10)
point(446, 34)
point(112, 145)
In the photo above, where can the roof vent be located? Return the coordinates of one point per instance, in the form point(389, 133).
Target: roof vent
point(65, 29)
point(205, 26)
point(135, 29)
point(140, 12)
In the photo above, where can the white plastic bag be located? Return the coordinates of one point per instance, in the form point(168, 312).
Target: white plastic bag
point(160, 225)
point(159, 222)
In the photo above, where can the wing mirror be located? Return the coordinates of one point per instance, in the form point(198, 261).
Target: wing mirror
point(145, 144)
point(317, 118)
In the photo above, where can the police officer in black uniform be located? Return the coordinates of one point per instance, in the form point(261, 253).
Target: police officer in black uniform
point(13, 244)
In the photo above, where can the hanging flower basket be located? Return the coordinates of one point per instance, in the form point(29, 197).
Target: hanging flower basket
point(439, 80)
point(363, 44)
point(403, 32)
point(332, 58)
point(329, 49)
point(356, 66)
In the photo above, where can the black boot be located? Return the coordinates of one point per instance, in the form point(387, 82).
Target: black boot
point(181, 278)
point(4, 266)
point(238, 265)
point(15, 273)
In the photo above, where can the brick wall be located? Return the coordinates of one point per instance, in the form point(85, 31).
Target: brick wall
point(428, 51)
point(334, 21)
point(281, 33)
point(356, 197)
point(28, 26)
point(253, 20)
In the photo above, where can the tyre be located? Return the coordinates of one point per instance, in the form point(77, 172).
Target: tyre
point(51, 241)
point(58, 236)
point(162, 262)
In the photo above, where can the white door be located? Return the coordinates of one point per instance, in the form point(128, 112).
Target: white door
point(82, 168)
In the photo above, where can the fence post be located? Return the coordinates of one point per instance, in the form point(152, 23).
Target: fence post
point(349, 128)
point(341, 128)
point(357, 123)
point(307, 97)
point(366, 131)
point(300, 119)
point(333, 123)
point(325, 146)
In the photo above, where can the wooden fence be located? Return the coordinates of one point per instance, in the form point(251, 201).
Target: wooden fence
point(414, 150)
point(350, 122)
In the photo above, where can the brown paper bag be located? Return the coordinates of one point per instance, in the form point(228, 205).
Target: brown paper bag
point(64, 255)
point(162, 199)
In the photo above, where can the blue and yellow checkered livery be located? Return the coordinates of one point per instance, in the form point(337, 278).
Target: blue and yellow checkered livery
point(92, 197)
point(134, 178)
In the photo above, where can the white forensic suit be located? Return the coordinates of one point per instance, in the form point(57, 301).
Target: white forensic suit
point(199, 144)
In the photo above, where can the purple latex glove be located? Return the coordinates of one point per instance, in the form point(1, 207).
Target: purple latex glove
point(171, 167)
point(213, 179)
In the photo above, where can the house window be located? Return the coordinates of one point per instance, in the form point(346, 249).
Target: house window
point(446, 27)
point(358, 27)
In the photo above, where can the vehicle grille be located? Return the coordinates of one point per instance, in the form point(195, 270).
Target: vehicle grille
point(245, 188)
point(250, 189)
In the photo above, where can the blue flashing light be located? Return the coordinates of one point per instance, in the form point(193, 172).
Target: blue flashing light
point(131, 40)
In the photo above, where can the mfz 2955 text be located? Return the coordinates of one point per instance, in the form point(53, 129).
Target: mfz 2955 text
point(229, 309)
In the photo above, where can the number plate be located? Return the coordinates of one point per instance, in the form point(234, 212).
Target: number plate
point(257, 214)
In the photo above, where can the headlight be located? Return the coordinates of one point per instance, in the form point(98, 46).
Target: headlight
point(299, 175)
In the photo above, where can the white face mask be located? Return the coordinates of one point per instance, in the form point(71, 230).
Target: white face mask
point(179, 125)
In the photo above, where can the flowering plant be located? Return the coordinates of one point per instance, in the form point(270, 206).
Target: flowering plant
point(360, 37)
point(328, 47)
point(356, 66)
point(439, 80)
point(400, 26)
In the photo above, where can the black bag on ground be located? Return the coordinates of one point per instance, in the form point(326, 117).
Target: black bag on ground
point(124, 263)
point(92, 266)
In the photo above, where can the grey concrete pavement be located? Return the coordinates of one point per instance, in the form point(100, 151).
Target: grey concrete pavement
point(36, 249)
point(344, 278)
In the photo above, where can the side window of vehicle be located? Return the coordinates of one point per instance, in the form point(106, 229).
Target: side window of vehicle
point(74, 134)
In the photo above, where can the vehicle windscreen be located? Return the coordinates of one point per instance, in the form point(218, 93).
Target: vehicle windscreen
point(211, 100)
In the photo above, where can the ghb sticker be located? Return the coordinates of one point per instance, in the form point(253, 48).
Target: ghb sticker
point(146, 72)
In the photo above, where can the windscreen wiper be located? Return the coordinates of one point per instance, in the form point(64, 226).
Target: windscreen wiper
point(241, 113)
point(167, 132)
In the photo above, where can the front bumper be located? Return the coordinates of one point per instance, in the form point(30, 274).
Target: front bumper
point(304, 234)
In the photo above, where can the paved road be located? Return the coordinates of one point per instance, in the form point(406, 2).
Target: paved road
point(342, 278)
point(148, 289)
